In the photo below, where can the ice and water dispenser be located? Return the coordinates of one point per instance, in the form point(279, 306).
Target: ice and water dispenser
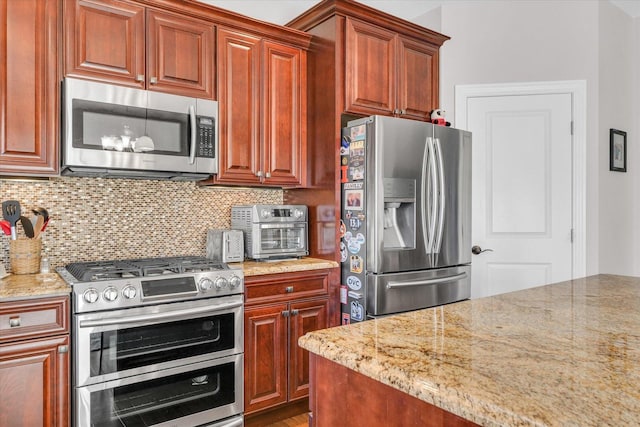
point(399, 213)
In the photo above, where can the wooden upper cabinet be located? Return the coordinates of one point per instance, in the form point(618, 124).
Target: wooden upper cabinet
point(29, 87)
point(285, 115)
point(127, 44)
point(180, 56)
point(388, 74)
point(262, 104)
point(239, 107)
point(370, 62)
point(417, 78)
point(105, 40)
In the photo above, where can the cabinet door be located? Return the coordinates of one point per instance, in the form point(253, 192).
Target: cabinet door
point(417, 78)
point(239, 107)
point(29, 94)
point(265, 357)
point(285, 117)
point(34, 383)
point(105, 40)
point(370, 69)
point(180, 55)
point(306, 316)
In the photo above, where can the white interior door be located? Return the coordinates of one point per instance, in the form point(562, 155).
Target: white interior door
point(521, 191)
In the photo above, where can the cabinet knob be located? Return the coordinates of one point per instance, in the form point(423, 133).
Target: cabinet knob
point(259, 173)
point(63, 349)
point(14, 322)
point(403, 111)
point(294, 312)
point(288, 289)
point(285, 313)
point(140, 78)
point(153, 80)
point(267, 175)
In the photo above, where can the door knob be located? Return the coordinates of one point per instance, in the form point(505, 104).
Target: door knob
point(476, 250)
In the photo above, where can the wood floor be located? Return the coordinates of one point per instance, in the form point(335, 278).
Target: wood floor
point(301, 420)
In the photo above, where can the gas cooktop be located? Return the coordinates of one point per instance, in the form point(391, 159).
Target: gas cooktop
point(141, 267)
point(106, 285)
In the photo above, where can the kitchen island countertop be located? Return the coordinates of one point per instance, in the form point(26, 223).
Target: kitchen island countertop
point(566, 354)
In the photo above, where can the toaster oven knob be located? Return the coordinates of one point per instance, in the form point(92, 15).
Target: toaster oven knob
point(90, 295)
point(110, 294)
point(234, 282)
point(205, 284)
point(221, 282)
point(265, 213)
point(129, 292)
point(297, 213)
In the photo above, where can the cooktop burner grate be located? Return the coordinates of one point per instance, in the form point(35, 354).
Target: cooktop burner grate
point(141, 267)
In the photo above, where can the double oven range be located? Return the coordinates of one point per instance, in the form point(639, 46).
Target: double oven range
point(157, 342)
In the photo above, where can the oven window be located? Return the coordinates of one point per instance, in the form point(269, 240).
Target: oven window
point(164, 399)
point(282, 238)
point(130, 348)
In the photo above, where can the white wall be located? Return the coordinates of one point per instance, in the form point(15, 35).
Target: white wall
point(498, 41)
point(618, 195)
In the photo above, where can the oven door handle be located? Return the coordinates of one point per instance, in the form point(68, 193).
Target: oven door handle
point(187, 313)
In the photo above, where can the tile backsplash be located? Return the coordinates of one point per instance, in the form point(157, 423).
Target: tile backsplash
point(98, 219)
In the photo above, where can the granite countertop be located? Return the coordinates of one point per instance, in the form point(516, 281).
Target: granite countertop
point(566, 354)
point(21, 286)
point(257, 268)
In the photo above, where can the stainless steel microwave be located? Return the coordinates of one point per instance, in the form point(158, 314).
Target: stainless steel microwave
point(115, 131)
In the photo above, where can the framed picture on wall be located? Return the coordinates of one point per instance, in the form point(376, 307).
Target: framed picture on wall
point(617, 150)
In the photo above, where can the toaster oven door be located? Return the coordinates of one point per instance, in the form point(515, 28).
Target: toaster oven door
point(284, 239)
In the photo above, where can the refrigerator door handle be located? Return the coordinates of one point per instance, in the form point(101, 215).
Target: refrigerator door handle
point(441, 199)
point(456, 277)
point(425, 195)
point(433, 192)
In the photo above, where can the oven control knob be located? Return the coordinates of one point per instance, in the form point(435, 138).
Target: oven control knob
point(129, 292)
point(90, 295)
point(265, 213)
point(221, 282)
point(205, 284)
point(110, 294)
point(234, 282)
point(297, 213)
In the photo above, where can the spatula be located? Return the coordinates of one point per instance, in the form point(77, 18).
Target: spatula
point(11, 212)
point(27, 226)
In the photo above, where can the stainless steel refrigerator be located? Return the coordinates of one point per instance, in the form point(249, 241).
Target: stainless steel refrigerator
point(406, 216)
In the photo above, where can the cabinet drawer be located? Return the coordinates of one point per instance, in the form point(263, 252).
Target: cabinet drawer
point(278, 288)
point(37, 317)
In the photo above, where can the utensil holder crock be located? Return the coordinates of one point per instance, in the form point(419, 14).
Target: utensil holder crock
point(24, 255)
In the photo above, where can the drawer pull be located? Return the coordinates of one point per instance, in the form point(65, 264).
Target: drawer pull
point(63, 349)
point(288, 289)
point(14, 322)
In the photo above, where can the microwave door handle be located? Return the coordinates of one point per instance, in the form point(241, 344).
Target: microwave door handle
point(192, 121)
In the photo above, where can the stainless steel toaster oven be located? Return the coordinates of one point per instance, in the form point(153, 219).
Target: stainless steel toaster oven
point(272, 231)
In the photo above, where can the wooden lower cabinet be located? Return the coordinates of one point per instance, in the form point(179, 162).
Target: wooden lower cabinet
point(343, 397)
point(279, 309)
point(34, 372)
point(276, 369)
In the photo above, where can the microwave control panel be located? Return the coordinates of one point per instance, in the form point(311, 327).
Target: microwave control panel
point(206, 137)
